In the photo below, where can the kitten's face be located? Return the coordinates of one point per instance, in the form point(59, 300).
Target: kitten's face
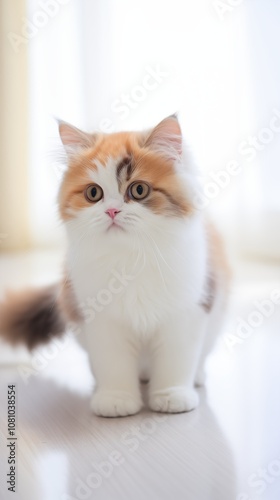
point(124, 181)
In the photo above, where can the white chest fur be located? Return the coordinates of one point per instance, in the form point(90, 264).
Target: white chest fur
point(138, 281)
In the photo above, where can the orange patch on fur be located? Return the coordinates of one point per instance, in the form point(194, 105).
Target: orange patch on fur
point(219, 269)
point(217, 254)
point(218, 272)
point(76, 177)
point(67, 302)
point(167, 196)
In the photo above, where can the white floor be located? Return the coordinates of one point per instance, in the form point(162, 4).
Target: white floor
point(229, 448)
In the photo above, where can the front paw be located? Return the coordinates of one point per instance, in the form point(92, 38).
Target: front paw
point(174, 400)
point(115, 403)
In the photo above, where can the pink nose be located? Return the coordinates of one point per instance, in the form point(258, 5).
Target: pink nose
point(112, 212)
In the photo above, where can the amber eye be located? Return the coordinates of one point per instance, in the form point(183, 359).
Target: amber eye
point(93, 193)
point(139, 190)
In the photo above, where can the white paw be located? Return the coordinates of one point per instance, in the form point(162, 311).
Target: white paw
point(115, 404)
point(174, 400)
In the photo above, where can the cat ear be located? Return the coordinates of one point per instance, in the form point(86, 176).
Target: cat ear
point(166, 138)
point(72, 138)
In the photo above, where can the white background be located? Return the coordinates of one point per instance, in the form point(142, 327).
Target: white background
point(223, 78)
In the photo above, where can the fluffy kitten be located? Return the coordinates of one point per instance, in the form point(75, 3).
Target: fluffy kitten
point(145, 275)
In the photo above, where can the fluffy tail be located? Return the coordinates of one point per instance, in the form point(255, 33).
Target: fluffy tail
point(32, 317)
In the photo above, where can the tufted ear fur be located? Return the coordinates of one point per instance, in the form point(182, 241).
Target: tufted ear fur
point(72, 138)
point(166, 138)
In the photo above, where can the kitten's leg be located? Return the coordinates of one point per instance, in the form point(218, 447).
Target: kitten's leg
point(114, 360)
point(175, 354)
point(214, 326)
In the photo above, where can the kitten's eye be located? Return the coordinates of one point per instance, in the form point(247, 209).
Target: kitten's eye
point(139, 190)
point(93, 193)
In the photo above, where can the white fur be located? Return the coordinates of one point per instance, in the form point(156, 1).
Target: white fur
point(140, 287)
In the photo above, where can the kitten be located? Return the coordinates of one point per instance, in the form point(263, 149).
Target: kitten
point(145, 274)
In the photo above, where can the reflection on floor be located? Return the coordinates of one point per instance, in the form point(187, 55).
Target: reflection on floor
point(229, 448)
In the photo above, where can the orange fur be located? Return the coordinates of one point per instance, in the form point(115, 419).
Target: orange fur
point(148, 166)
point(67, 302)
point(217, 255)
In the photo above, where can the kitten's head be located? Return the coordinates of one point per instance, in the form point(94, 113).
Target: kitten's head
point(125, 181)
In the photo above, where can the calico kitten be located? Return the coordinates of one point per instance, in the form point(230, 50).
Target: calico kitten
point(145, 274)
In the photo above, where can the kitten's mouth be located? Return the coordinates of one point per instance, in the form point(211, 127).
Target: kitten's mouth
point(115, 226)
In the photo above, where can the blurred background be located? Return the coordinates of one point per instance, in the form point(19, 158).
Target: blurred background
point(121, 65)
point(126, 65)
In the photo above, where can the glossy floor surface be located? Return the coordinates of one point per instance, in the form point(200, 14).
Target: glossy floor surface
point(229, 448)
